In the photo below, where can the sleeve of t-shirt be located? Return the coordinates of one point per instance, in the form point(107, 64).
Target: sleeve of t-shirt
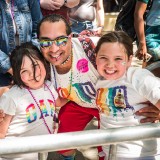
point(7, 104)
point(145, 83)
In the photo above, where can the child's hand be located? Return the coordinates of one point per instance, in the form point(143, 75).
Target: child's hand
point(2, 115)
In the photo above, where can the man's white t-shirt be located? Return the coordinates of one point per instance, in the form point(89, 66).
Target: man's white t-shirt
point(79, 83)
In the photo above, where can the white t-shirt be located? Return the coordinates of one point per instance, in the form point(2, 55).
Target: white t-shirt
point(119, 99)
point(80, 81)
point(27, 119)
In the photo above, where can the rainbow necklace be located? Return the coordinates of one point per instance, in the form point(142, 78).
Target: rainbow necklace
point(54, 116)
point(71, 77)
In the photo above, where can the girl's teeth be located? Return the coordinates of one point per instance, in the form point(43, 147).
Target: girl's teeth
point(110, 72)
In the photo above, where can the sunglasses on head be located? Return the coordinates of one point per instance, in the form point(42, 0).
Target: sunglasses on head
point(59, 41)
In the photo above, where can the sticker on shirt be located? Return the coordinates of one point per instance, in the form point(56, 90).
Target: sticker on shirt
point(82, 65)
point(119, 100)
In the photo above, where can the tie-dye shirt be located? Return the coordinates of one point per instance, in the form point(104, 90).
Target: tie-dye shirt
point(119, 99)
point(27, 117)
point(79, 83)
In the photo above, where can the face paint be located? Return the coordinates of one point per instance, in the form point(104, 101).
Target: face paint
point(123, 63)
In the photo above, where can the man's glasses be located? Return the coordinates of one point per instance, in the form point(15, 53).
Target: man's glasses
point(59, 41)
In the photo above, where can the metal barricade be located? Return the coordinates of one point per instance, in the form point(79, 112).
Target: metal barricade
point(71, 140)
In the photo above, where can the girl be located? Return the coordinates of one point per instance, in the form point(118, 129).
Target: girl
point(121, 90)
point(30, 104)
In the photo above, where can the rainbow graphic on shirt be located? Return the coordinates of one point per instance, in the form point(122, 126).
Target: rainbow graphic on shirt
point(79, 92)
point(32, 109)
point(113, 100)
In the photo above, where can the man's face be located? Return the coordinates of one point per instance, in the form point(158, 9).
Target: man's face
point(57, 44)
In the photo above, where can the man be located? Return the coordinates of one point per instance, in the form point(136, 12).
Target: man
point(72, 72)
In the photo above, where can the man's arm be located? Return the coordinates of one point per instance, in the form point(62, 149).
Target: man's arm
point(158, 104)
point(150, 112)
point(139, 28)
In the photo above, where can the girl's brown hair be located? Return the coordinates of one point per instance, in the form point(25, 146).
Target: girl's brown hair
point(16, 59)
point(117, 36)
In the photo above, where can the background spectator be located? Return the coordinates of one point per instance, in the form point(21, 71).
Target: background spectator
point(84, 17)
point(18, 24)
point(148, 33)
point(57, 7)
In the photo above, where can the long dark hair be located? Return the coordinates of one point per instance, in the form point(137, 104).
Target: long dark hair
point(16, 59)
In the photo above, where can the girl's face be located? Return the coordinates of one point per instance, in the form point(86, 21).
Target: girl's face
point(27, 73)
point(112, 61)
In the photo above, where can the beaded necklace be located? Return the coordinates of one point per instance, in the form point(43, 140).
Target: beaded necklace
point(71, 76)
point(54, 116)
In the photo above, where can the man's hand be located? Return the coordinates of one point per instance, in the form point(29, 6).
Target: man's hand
point(151, 113)
point(2, 115)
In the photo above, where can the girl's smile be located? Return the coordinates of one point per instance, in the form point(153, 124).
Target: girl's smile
point(112, 61)
point(32, 73)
